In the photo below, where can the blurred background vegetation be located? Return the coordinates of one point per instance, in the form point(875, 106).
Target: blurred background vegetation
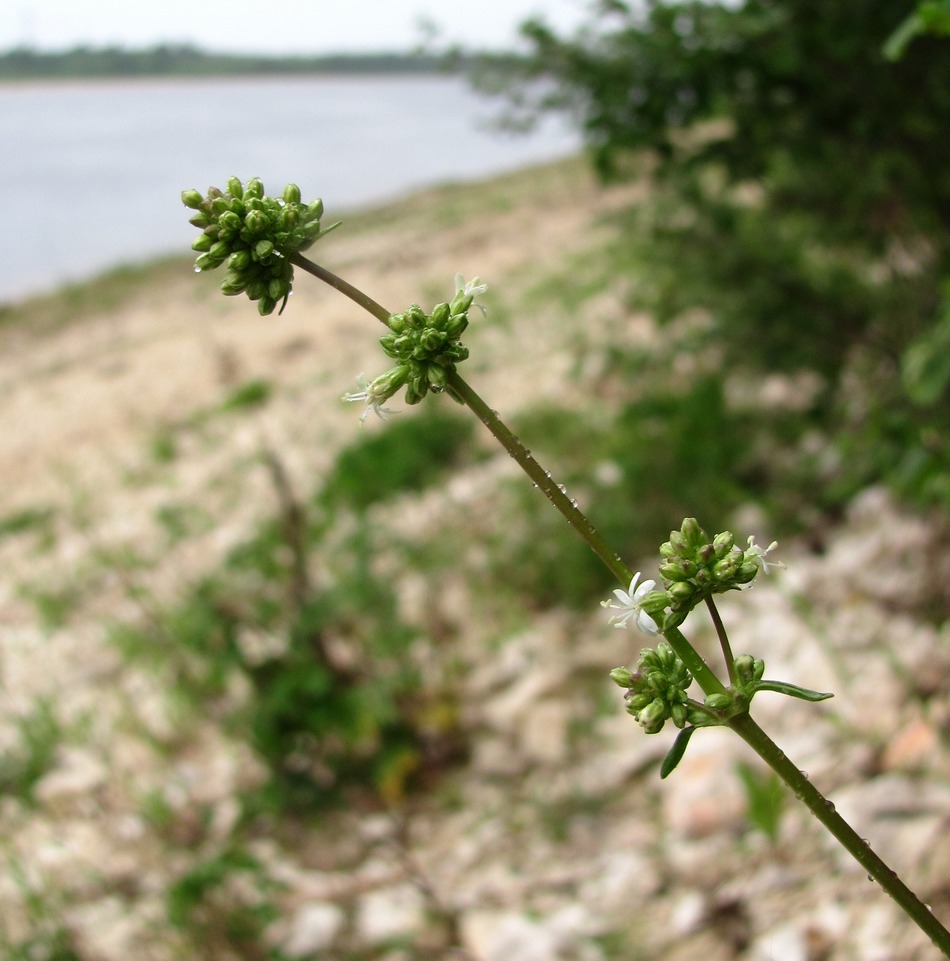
point(801, 205)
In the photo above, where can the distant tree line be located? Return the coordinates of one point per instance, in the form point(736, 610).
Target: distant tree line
point(24, 63)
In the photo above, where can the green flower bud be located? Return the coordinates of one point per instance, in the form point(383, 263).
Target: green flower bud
point(439, 316)
point(432, 340)
point(679, 544)
point(200, 219)
point(291, 194)
point(672, 571)
point(315, 210)
point(229, 220)
point(706, 554)
point(722, 543)
point(621, 676)
point(254, 188)
point(266, 306)
point(637, 702)
point(749, 669)
point(667, 550)
point(239, 260)
point(192, 198)
point(692, 533)
point(256, 222)
point(726, 568)
point(437, 376)
point(682, 591)
point(655, 602)
point(653, 717)
point(233, 284)
point(203, 243)
point(289, 218)
point(718, 702)
point(234, 188)
point(263, 249)
point(456, 353)
point(679, 714)
point(456, 326)
point(278, 288)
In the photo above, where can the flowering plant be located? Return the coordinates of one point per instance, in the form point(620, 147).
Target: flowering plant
point(262, 240)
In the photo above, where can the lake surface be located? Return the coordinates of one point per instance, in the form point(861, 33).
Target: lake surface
point(92, 171)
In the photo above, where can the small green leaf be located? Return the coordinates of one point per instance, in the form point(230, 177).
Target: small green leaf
point(676, 752)
point(792, 690)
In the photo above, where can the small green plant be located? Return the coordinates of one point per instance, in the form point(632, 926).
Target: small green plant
point(765, 799)
point(252, 393)
point(22, 768)
point(217, 910)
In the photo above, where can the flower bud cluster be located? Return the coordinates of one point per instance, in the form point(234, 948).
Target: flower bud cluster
point(656, 691)
point(427, 346)
point(695, 567)
point(255, 234)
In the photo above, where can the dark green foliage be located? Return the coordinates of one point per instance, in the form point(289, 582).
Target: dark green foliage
point(408, 455)
point(801, 199)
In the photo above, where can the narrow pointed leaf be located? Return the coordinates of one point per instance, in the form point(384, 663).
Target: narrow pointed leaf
point(676, 752)
point(792, 690)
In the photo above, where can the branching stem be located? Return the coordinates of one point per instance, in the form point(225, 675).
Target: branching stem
point(742, 724)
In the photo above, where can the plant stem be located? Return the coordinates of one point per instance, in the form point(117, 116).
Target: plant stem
point(723, 639)
point(542, 479)
point(856, 846)
point(338, 283)
point(696, 666)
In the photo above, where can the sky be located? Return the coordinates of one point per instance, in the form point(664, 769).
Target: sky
point(275, 26)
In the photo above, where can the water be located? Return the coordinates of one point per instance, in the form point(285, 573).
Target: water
point(92, 172)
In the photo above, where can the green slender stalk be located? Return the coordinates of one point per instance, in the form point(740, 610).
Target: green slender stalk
point(338, 283)
point(857, 847)
point(742, 724)
point(724, 644)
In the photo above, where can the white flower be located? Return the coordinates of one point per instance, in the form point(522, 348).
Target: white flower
point(474, 288)
point(758, 555)
point(628, 604)
point(373, 401)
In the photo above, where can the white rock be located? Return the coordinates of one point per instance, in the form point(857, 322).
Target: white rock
point(389, 913)
point(77, 774)
point(544, 733)
point(314, 928)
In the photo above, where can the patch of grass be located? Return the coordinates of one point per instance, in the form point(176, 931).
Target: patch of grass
point(53, 605)
point(407, 456)
point(30, 519)
point(252, 393)
point(225, 905)
point(22, 768)
point(181, 521)
point(163, 446)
